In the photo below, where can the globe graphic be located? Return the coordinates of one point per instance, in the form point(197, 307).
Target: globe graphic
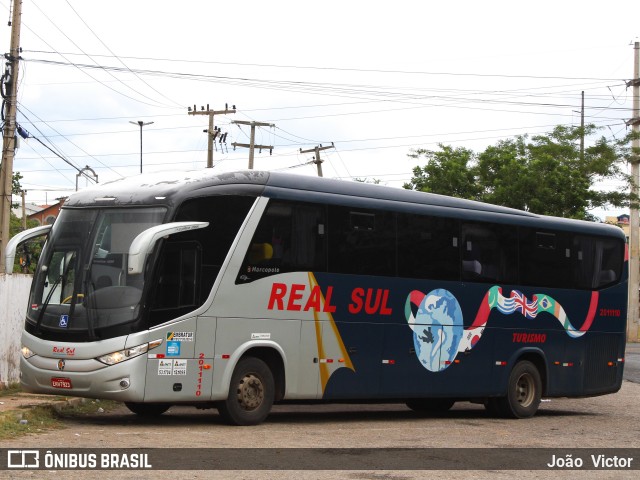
point(437, 329)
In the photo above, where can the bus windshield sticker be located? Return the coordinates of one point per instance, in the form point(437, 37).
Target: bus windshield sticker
point(173, 349)
point(179, 367)
point(165, 367)
point(260, 336)
point(180, 336)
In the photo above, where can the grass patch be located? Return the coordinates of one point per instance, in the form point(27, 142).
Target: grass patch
point(40, 418)
point(29, 420)
point(10, 389)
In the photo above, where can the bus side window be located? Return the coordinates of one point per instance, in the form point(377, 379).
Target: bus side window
point(546, 258)
point(178, 273)
point(611, 254)
point(362, 242)
point(428, 247)
point(489, 253)
point(597, 261)
point(225, 214)
point(289, 237)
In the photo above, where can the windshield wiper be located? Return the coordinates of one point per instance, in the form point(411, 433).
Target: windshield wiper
point(50, 294)
point(89, 289)
point(46, 302)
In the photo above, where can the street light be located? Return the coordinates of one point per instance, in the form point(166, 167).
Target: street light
point(142, 124)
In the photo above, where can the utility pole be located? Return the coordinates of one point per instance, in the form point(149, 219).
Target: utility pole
point(252, 146)
point(141, 124)
point(9, 134)
point(24, 210)
point(316, 159)
point(582, 129)
point(634, 233)
point(211, 132)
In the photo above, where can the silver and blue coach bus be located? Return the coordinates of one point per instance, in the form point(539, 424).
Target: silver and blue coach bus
point(240, 290)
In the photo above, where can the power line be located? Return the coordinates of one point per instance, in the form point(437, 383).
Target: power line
point(118, 58)
point(341, 69)
point(348, 90)
point(72, 143)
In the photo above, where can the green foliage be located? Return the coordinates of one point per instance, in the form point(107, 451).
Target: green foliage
point(450, 171)
point(16, 188)
point(546, 174)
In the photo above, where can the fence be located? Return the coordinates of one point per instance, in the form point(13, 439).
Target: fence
point(14, 295)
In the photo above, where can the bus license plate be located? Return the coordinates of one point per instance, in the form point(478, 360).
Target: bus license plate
point(58, 382)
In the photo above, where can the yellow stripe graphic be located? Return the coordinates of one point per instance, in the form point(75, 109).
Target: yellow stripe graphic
point(333, 343)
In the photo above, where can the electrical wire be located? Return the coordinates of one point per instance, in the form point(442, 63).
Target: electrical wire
point(118, 58)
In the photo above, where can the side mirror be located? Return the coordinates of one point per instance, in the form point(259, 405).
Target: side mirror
point(143, 244)
point(16, 240)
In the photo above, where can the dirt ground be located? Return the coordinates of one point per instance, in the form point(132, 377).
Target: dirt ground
point(599, 423)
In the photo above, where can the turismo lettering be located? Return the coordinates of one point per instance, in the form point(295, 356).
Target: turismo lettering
point(298, 297)
point(529, 337)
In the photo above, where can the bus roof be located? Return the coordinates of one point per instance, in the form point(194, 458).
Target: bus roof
point(172, 188)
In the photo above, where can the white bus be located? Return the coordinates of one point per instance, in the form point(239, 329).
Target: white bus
point(238, 290)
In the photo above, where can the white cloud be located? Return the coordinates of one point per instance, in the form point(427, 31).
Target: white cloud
point(377, 78)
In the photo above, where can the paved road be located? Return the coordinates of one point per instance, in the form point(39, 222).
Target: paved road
point(632, 362)
point(600, 422)
point(611, 421)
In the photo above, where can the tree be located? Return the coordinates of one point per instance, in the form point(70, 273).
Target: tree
point(450, 171)
point(16, 188)
point(547, 174)
point(27, 254)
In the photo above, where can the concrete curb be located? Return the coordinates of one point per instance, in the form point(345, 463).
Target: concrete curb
point(60, 405)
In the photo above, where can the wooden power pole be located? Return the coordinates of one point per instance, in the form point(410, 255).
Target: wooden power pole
point(252, 146)
point(317, 159)
point(10, 80)
point(211, 132)
point(634, 227)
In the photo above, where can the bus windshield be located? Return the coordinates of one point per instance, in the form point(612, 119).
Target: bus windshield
point(82, 287)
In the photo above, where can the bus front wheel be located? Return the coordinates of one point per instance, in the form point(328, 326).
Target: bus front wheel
point(524, 392)
point(251, 393)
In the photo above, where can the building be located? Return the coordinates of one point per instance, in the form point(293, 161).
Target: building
point(621, 221)
point(48, 214)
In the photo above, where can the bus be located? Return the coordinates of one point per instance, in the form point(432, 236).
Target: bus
point(241, 290)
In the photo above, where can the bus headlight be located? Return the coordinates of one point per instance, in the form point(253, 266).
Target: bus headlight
point(26, 352)
point(127, 353)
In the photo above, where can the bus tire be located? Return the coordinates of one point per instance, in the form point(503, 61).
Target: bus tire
point(430, 405)
point(524, 392)
point(148, 409)
point(251, 393)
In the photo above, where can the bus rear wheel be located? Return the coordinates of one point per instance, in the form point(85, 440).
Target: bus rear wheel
point(251, 393)
point(148, 409)
point(524, 392)
point(430, 405)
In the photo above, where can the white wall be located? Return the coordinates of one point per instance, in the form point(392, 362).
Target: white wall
point(14, 295)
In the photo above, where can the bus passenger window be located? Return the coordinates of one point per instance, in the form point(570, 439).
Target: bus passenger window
point(547, 258)
point(428, 247)
point(598, 261)
point(489, 253)
point(362, 242)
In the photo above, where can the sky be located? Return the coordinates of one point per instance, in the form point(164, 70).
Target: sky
point(374, 79)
